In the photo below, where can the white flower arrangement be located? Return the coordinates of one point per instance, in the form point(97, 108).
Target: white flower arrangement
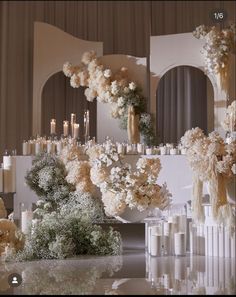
point(107, 87)
point(212, 161)
point(121, 187)
point(229, 123)
point(216, 50)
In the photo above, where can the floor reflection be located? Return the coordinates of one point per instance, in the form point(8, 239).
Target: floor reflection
point(118, 275)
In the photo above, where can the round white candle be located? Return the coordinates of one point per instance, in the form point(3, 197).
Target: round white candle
point(156, 245)
point(76, 131)
point(180, 247)
point(148, 151)
point(163, 150)
point(26, 219)
point(53, 126)
point(183, 151)
point(65, 128)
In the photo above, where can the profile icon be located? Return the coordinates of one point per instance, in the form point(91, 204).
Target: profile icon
point(14, 280)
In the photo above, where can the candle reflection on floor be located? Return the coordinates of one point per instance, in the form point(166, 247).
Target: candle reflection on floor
point(108, 275)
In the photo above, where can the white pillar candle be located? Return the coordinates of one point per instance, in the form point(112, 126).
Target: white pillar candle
point(53, 126)
point(72, 122)
point(7, 162)
point(163, 150)
point(37, 148)
point(1, 180)
point(156, 245)
point(76, 131)
point(129, 148)
point(32, 147)
point(26, 219)
point(152, 230)
point(140, 148)
point(148, 151)
point(65, 128)
point(120, 148)
point(25, 148)
point(180, 247)
point(183, 151)
point(49, 147)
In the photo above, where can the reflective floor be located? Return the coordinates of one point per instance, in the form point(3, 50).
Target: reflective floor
point(132, 273)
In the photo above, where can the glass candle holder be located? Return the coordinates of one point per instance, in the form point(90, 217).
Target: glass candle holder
point(26, 217)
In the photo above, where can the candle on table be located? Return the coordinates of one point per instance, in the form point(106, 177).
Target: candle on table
point(25, 148)
point(156, 244)
point(120, 148)
point(49, 146)
point(72, 122)
point(140, 148)
point(173, 151)
point(65, 128)
point(163, 150)
point(26, 219)
point(37, 147)
point(148, 151)
point(86, 125)
point(76, 131)
point(53, 126)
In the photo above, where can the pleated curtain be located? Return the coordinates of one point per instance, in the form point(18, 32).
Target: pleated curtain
point(124, 27)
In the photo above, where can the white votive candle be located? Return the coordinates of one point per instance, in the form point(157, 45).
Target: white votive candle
point(148, 151)
point(53, 126)
point(173, 151)
point(65, 128)
point(26, 219)
point(140, 148)
point(76, 131)
point(119, 148)
point(180, 246)
point(183, 151)
point(59, 147)
point(129, 148)
point(163, 150)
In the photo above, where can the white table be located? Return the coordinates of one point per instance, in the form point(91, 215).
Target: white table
point(175, 172)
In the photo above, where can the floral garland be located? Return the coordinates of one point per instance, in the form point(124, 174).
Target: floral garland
point(212, 161)
point(115, 89)
point(216, 50)
point(229, 123)
point(121, 187)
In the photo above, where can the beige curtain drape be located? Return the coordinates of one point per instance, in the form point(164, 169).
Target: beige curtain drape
point(123, 26)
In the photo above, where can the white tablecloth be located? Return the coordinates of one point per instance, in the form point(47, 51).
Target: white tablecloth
point(175, 172)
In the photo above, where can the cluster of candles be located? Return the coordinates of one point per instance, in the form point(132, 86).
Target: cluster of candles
point(167, 237)
point(141, 148)
point(42, 144)
point(74, 127)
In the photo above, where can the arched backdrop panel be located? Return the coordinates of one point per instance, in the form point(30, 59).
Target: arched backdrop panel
point(66, 100)
point(169, 51)
point(184, 100)
point(52, 48)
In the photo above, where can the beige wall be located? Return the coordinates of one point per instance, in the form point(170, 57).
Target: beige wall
point(123, 26)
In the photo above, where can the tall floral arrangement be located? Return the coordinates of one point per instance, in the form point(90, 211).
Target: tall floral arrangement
point(113, 88)
point(122, 187)
point(229, 122)
point(212, 161)
point(219, 44)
